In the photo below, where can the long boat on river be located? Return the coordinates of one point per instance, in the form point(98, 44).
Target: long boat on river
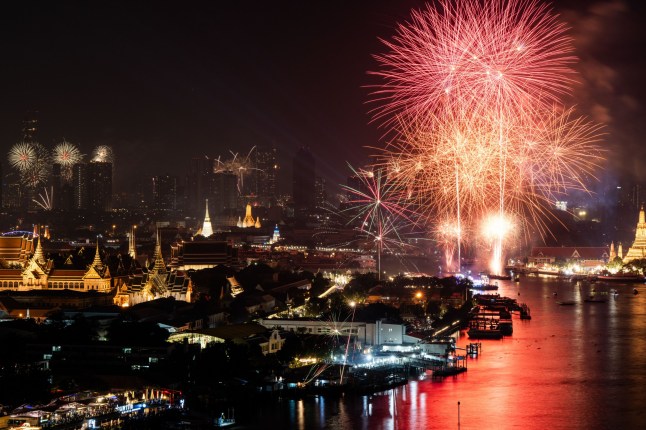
point(484, 328)
point(629, 278)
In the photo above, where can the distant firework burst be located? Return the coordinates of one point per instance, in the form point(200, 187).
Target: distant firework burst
point(103, 154)
point(39, 169)
point(22, 155)
point(67, 155)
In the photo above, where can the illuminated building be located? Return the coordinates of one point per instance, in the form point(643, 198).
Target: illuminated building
point(154, 283)
point(132, 244)
point(638, 250)
point(248, 220)
point(202, 254)
point(207, 228)
point(38, 273)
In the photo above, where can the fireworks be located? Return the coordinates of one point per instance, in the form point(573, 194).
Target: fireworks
point(103, 154)
point(471, 93)
point(67, 155)
point(238, 165)
point(22, 156)
point(374, 205)
point(45, 199)
point(514, 54)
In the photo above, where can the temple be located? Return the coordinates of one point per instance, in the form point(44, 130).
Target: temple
point(248, 220)
point(39, 273)
point(207, 228)
point(154, 283)
point(638, 250)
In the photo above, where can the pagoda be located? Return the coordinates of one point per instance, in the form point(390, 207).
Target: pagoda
point(638, 250)
point(207, 229)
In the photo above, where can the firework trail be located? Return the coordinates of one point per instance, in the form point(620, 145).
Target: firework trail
point(67, 155)
point(376, 206)
point(238, 165)
point(471, 93)
point(44, 200)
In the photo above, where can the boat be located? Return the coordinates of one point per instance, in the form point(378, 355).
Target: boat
point(628, 278)
point(484, 328)
point(484, 287)
point(501, 277)
point(222, 421)
point(566, 303)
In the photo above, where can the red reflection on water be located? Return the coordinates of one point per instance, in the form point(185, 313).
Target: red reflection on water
point(570, 367)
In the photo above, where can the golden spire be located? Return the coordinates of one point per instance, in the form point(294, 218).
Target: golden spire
point(132, 245)
point(97, 256)
point(159, 266)
point(38, 254)
point(642, 218)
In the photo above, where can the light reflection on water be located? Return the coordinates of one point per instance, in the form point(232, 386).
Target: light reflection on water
point(570, 367)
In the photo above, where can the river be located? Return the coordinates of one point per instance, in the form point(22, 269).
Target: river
point(570, 367)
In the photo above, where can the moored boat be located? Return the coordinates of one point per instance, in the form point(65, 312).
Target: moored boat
point(594, 300)
point(629, 278)
point(566, 303)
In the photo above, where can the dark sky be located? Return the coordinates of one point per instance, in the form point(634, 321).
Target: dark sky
point(162, 82)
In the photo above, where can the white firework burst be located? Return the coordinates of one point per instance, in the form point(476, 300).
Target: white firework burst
point(103, 154)
point(67, 154)
point(22, 155)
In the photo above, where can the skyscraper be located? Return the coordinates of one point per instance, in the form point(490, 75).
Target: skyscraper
point(197, 183)
point(223, 192)
point(303, 189)
point(92, 184)
point(99, 186)
point(266, 175)
point(165, 192)
point(80, 184)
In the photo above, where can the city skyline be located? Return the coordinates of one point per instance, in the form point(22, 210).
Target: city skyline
point(210, 78)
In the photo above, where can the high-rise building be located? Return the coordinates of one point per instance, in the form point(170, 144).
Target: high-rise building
point(197, 183)
point(320, 196)
point(223, 192)
point(80, 184)
point(100, 186)
point(165, 192)
point(92, 184)
point(62, 190)
point(303, 174)
point(266, 175)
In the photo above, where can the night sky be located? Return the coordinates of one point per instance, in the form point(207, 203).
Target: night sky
point(162, 82)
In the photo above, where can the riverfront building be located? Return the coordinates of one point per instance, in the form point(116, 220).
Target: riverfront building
point(638, 250)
